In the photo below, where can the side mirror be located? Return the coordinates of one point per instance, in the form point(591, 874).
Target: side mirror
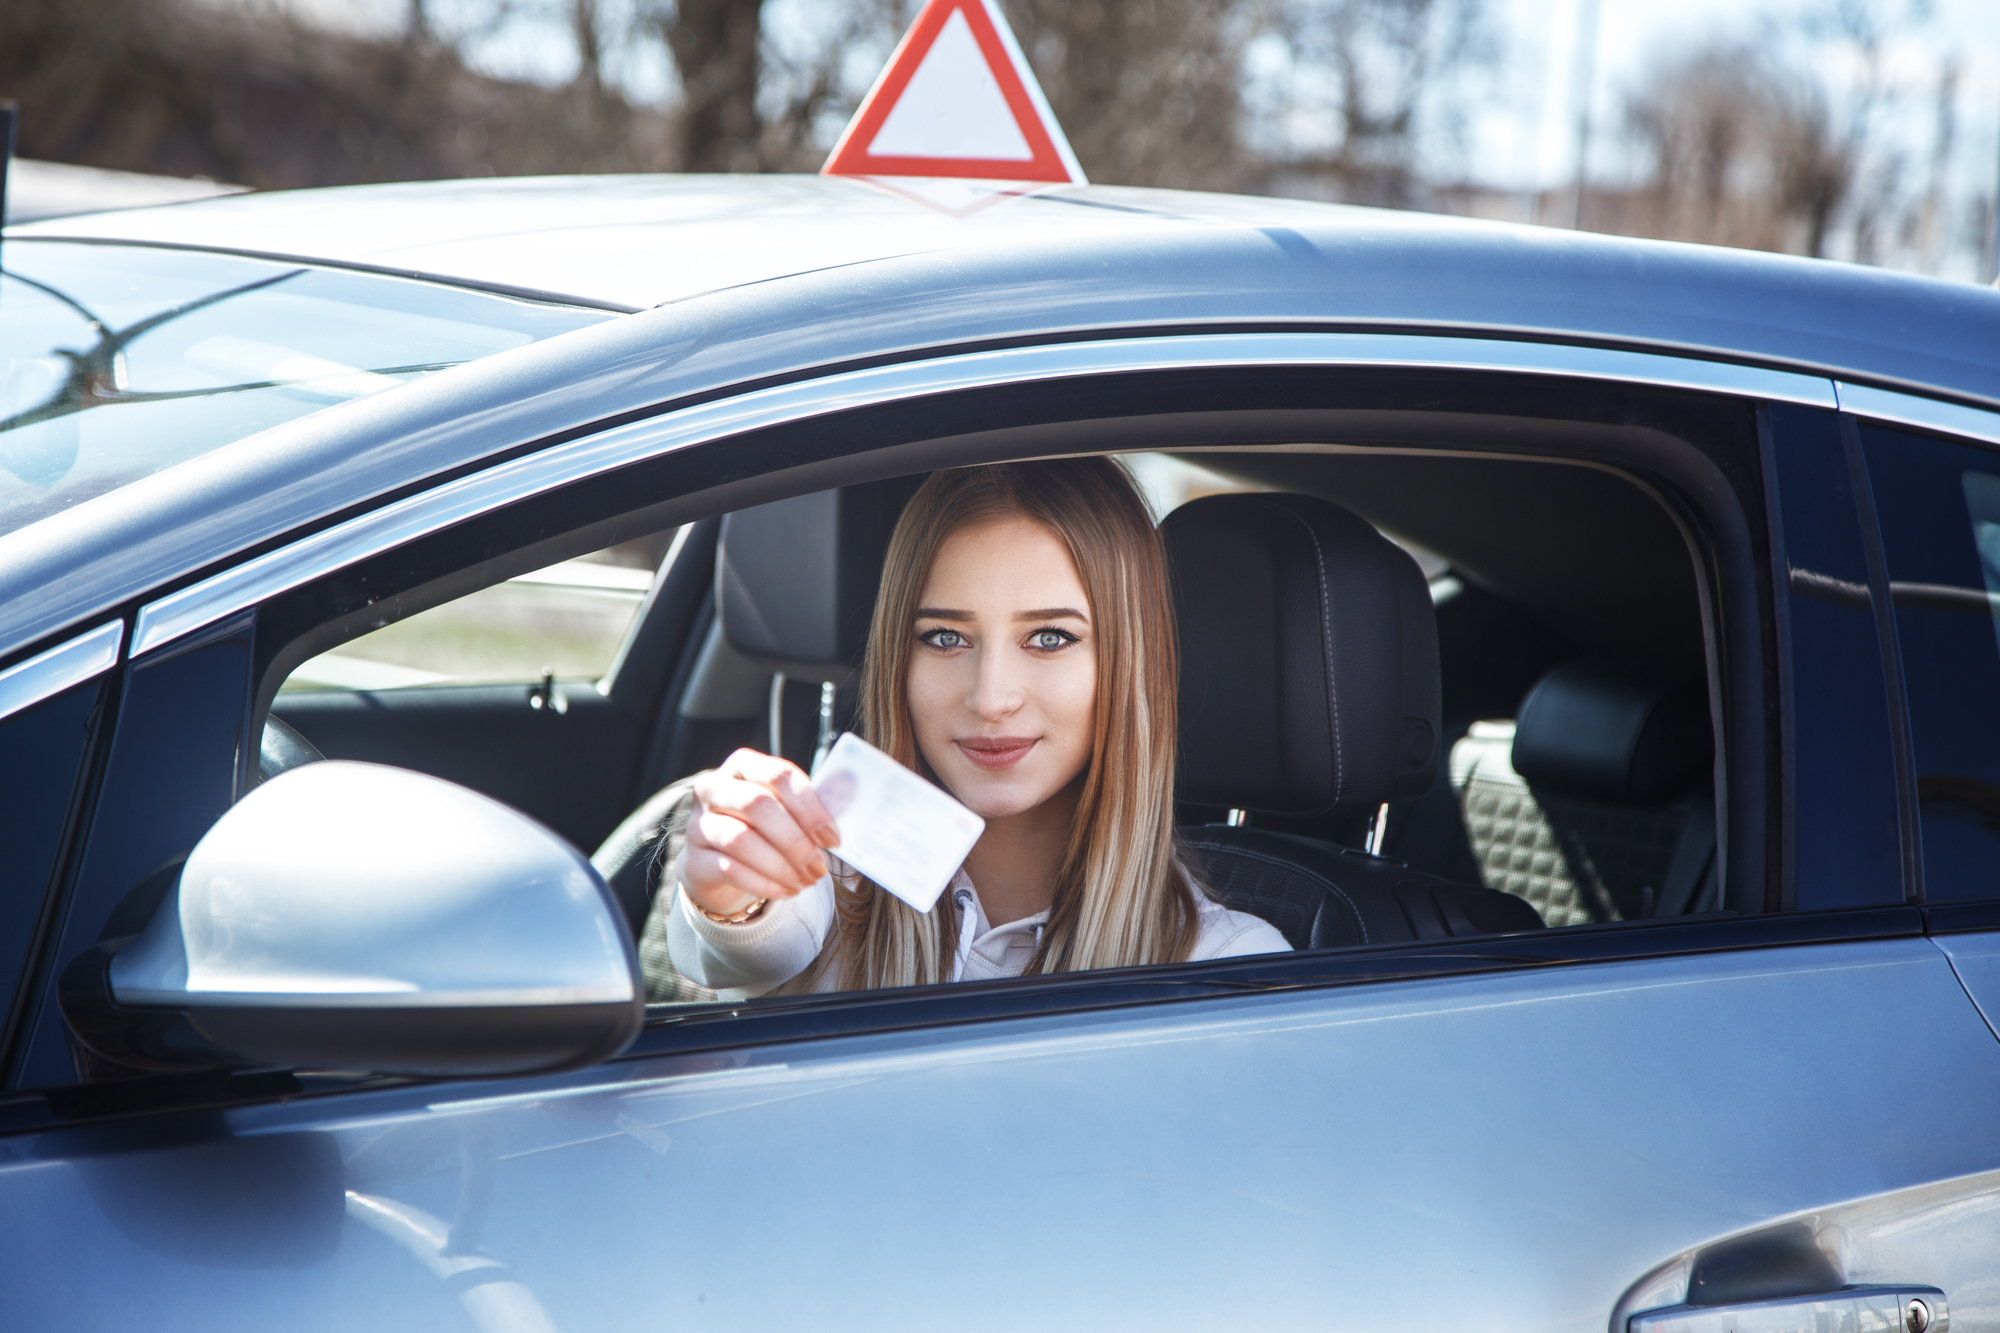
point(349, 916)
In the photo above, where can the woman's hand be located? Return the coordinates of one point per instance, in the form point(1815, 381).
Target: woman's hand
point(756, 832)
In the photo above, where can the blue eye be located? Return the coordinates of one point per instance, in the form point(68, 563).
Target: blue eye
point(1048, 640)
point(943, 638)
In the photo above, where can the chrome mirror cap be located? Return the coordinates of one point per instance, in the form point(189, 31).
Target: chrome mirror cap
point(358, 917)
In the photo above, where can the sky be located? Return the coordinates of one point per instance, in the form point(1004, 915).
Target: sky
point(1529, 137)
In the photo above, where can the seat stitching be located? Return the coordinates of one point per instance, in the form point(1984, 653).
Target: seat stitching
point(1268, 859)
point(1326, 648)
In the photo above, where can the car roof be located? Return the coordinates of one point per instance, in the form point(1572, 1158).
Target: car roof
point(630, 242)
point(634, 242)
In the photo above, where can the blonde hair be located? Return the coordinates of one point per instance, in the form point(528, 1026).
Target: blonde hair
point(1125, 893)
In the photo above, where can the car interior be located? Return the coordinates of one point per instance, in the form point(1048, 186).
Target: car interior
point(1517, 733)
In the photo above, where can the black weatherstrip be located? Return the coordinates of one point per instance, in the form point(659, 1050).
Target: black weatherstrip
point(1907, 812)
point(1786, 830)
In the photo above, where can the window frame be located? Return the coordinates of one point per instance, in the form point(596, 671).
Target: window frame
point(840, 465)
point(1961, 426)
point(857, 425)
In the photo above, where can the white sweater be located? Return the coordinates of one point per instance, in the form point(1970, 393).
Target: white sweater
point(749, 959)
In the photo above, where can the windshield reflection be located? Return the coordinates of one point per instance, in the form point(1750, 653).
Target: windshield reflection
point(196, 350)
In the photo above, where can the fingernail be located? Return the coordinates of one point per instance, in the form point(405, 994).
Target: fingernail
point(829, 836)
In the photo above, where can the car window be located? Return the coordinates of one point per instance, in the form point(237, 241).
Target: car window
point(41, 751)
point(119, 361)
point(1503, 790)
point(1939, 507)
point(1169, 482)
point(566, 621)
point(1552, 827)
point(1846, 848)
point(1586, 615)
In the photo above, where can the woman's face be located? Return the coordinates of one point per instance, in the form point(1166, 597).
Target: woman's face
point(1003, 676)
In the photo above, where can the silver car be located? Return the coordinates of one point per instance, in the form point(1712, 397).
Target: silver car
point(374, 563)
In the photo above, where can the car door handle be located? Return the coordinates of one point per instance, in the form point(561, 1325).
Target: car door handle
point(1850, 1310)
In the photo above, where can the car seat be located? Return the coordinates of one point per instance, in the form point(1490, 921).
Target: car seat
point(1596, 804)
point(1309, 685)
point(795, 585)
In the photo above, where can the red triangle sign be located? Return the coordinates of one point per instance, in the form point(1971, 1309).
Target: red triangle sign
point(957, 99)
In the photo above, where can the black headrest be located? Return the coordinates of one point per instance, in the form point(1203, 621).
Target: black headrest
point(1309, 664)
point(795, 581)
point(1594, 730)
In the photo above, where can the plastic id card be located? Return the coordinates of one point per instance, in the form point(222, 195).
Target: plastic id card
point(895, 828)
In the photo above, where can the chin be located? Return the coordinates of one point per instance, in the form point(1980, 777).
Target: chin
point(999, 800)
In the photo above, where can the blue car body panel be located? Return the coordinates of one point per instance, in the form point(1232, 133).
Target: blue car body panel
point(1505, 1152)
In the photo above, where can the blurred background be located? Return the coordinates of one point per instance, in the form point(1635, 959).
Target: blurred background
point(1860, 130)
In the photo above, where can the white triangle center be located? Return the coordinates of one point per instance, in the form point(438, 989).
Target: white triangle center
point(951, 107)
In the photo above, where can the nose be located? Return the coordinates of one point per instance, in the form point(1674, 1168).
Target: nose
point(996, 689)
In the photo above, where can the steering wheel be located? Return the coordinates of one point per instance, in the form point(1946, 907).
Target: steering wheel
point(282, 748)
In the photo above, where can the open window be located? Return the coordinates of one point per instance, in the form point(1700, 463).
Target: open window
point(1578, 597)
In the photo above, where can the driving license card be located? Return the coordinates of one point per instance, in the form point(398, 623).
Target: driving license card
point(895, 828)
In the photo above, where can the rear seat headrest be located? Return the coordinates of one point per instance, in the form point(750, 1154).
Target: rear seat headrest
point(1592, 730)
point(1309, 664)
point(795, 581)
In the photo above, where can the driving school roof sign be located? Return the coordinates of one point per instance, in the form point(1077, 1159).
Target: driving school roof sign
point(956, 99)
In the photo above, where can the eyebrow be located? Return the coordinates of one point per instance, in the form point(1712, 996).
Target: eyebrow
point(1045, 613)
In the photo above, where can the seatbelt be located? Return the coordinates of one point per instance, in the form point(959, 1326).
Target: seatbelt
point(1693, 852)
point(966, 925)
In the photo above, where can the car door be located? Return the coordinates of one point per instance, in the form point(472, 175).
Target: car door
point(1557, 1130)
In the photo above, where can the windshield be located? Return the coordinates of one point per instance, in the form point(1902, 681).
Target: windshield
point(124, 360)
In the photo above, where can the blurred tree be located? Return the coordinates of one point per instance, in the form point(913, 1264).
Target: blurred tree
point(717, 50)
point(1149, 92)
point(1368, 85)
point(253, 95)
point(584, 30)
point(1927, 221)
point(1739, 153)
point(1742, 147)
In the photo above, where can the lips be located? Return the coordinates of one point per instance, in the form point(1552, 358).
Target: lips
point(995, 752)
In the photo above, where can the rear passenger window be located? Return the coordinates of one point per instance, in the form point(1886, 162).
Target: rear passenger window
point(1939, 504)
point(1846, 845)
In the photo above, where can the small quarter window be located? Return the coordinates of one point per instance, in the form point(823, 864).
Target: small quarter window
point(41, 752)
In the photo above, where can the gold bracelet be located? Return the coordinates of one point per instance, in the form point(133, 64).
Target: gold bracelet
point(750, 913)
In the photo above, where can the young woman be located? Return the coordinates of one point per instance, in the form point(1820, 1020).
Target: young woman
point(1022, 655)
